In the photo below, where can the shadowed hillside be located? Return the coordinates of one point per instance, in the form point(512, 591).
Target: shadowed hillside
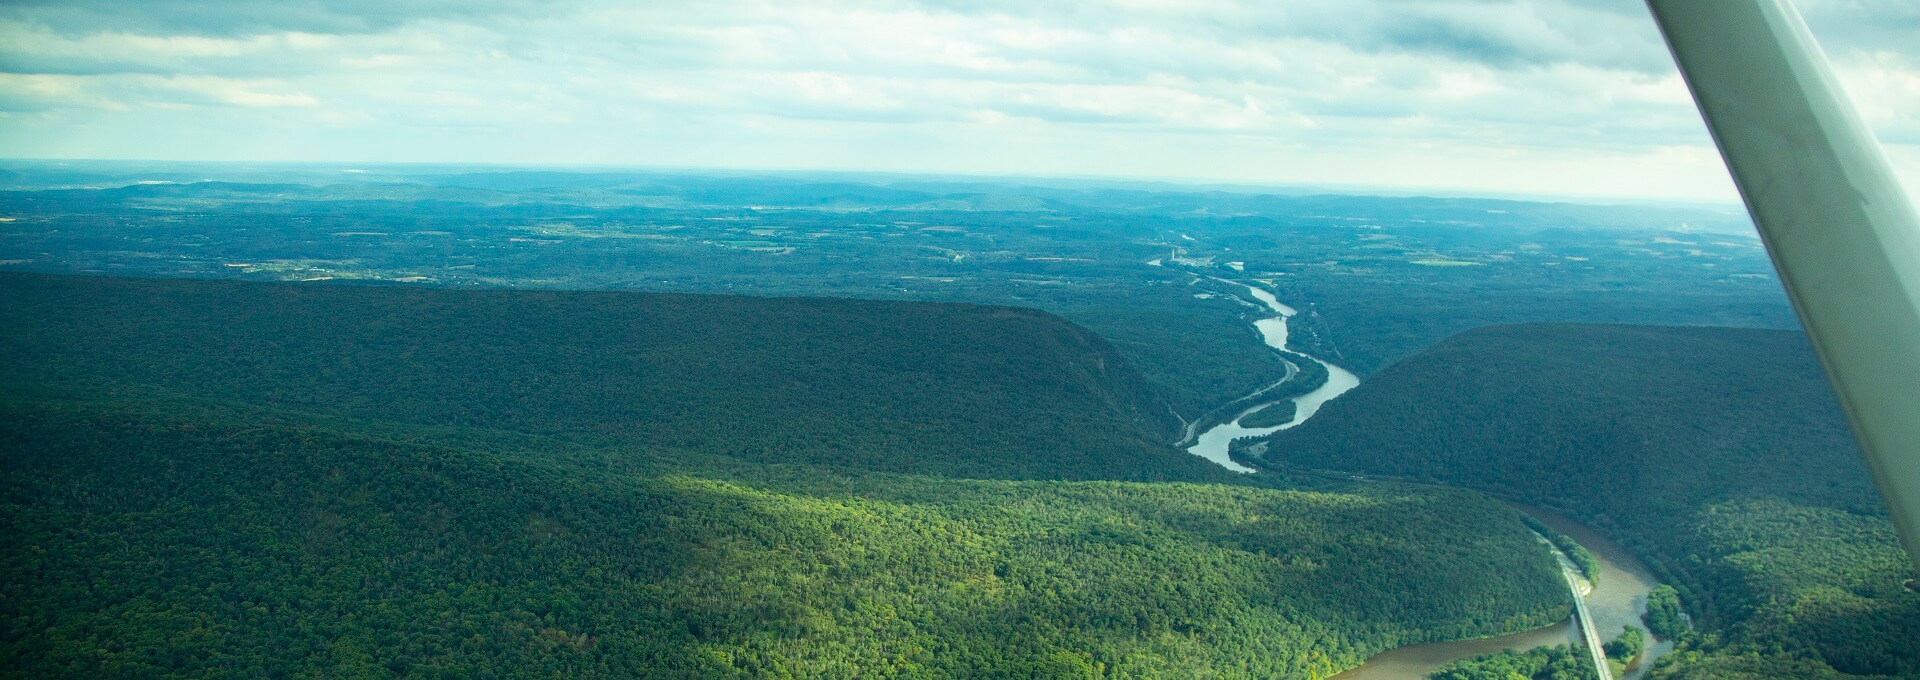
point(244, 480)
point(1718, 453)
point(957, 390)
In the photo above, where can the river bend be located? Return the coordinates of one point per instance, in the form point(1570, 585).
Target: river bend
point(1213, 443)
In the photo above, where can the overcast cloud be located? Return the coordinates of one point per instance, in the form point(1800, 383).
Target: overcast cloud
point(1554, 97)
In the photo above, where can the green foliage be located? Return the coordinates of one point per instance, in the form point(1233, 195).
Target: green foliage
point(178, 540)
point(1717, 454)
point(1309, 376)
point(1582, 557)
point(1277, 413)
point(1627, 645)
point(206, 479)
point(954, 390)
point(1540, 663)
point(1695, 664)
point(1822, 582)
point(1205, 353)
point(1664, 615)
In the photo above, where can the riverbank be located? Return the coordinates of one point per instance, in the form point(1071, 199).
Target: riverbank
point(1621, 597)
point(1216, 442)
point(1617, 600)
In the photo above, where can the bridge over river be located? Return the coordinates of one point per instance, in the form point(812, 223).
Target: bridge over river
point(1622, 604)
point(1588, 632)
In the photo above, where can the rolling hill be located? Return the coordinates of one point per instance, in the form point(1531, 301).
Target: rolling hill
point(205, 479)
point(948, 389)
point(1719, 454)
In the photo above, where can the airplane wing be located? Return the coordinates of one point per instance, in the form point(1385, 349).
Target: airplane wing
point(1841, 232)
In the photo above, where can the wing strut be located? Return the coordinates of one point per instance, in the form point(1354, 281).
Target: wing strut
point(1841, 232)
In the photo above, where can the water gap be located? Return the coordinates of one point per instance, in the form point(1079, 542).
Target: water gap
point(1215, 441)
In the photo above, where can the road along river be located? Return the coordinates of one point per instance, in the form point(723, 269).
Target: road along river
point(1212, 444)
point(1618, 600)
point(1621, 596)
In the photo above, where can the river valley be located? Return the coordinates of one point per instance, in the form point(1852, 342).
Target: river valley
point(1617, 600)
point(1215, 441)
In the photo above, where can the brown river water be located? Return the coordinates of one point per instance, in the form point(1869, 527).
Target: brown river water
point(1618, 601)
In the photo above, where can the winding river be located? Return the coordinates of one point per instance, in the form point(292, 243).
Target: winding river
point(1618, 600)
point(1212, 444)
point(1624, 583)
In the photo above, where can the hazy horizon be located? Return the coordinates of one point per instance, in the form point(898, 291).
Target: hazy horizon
point(247, 171)
point(1536, 98)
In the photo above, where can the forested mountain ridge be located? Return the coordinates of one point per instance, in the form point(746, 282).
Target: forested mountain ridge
point(949, 389)
point(235, 480)
point(1375, 278)
point(1719, 454)
point(171, 539)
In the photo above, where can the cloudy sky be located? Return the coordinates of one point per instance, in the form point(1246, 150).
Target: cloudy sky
point(1556, 97)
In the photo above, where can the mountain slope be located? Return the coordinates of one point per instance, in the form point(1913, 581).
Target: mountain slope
point(955, 390)
point(1718, 453)
point(189, 538)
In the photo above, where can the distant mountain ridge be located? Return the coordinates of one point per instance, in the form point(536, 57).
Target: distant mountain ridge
point(1656, 403)
point(232, 479)
point(949, 389)
point(853, 192)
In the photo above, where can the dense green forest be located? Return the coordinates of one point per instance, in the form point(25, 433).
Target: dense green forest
point(793, 380)
point(1540, 663)
point(1203, 353)
point(1717, 454)
point(1664, 616)
point(1627, 645)
point(150, 539)
point(250, 480)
